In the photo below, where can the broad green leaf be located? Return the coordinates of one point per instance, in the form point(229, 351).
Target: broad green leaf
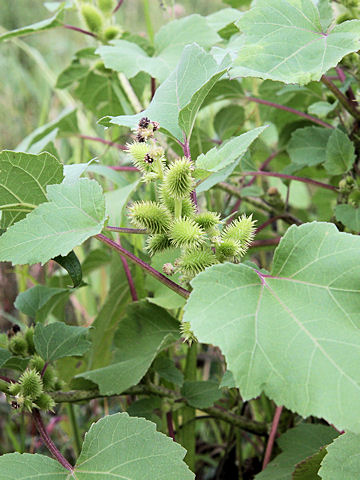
point(101, 94)
point(165, 367)
point(37, 302)
point(322, 109)
point(140, 336)
point(117, 446)
point(58, 340)
point(4, 356)
point(340, 153)
point(145, 408)
point(308, 468)
point(74, 213)
point(228, 121)
point(349, 216)
point(28, 466)
point(23, 181)
point(227, 380)
point(73, 73)
point(109, 316)
point(201, 394)
point(222, 18)
point(285, 41)
point(65, 123)
point(307, 146)
point(297, 444)
point(72, 266)
point(129, 58)
point(342, 461)
point(55, 21)
point(311, 300)
point(218, 158)
point(178, 99)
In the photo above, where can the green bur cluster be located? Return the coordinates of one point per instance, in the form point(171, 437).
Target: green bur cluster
point(95, 18)
point(173, 222)
point(30, 391)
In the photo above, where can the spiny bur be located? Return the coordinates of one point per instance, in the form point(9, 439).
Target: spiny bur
point(106, 6)
point(31, 384)
point(29, 337)
point(178, 181)
point(45, 402)
point(228, 248)
point(92, 17)
point(188, 208)
point(111, 32)
point(207, 220)
point(18, 345)
point(150, 215)
point(184, 232)
point(195, 260)
point(241, 230)
point(157, 243)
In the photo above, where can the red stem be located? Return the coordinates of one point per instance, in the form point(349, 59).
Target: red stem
point(120, 2)
point(272, 436)
point(342, 78)
point(48, 442)
point(263, 166)
point(170, 425)
point(150, 270)
point(290, 110)
point(268, 222)
point(153, 87)
point(120, 168)
point(7, 379)
point(105, 142)
point(130, 280)
point(44, 369)
point(80, 30)
point(290, 177)
point(267, 242)
point(126, 230)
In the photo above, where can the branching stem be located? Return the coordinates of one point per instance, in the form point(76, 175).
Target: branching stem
point(272, 436)
point(48, 442)
point(345, 102)
point(80, 30)
point(145, 266)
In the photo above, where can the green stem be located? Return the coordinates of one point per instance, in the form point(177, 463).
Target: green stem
point(258, 428)
point(74, 428)
point(178, 207)
point(188, 430)
point(345, 102)
point(149, 26)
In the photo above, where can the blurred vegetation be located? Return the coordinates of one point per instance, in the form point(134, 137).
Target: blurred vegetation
point(29, 66)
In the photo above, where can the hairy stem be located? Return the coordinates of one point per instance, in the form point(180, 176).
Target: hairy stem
point(150, 270)
point(105, 142)
point(133, 293)
point(80, 30)
point(290, 110)
point(186, 150)
point(348, 104)
point(272, 436)
point(48, 442)
point(120, 2)
point(238, 421)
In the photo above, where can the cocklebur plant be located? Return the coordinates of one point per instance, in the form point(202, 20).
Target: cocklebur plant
point(222, 133)
point(173, 221)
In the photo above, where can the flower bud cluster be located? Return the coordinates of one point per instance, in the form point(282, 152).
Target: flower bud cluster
point(172, 221)
point(97, 18)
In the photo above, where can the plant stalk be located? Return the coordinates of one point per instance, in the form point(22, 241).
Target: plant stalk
point(272, 436)
point(145, 266)
point(136, 231)
point(74, 428)
point(289, 177)
point(290, 110)
point(258, 428)
point(345, 102)
point(80, 30)
point(188, 438)
point(48, 442)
